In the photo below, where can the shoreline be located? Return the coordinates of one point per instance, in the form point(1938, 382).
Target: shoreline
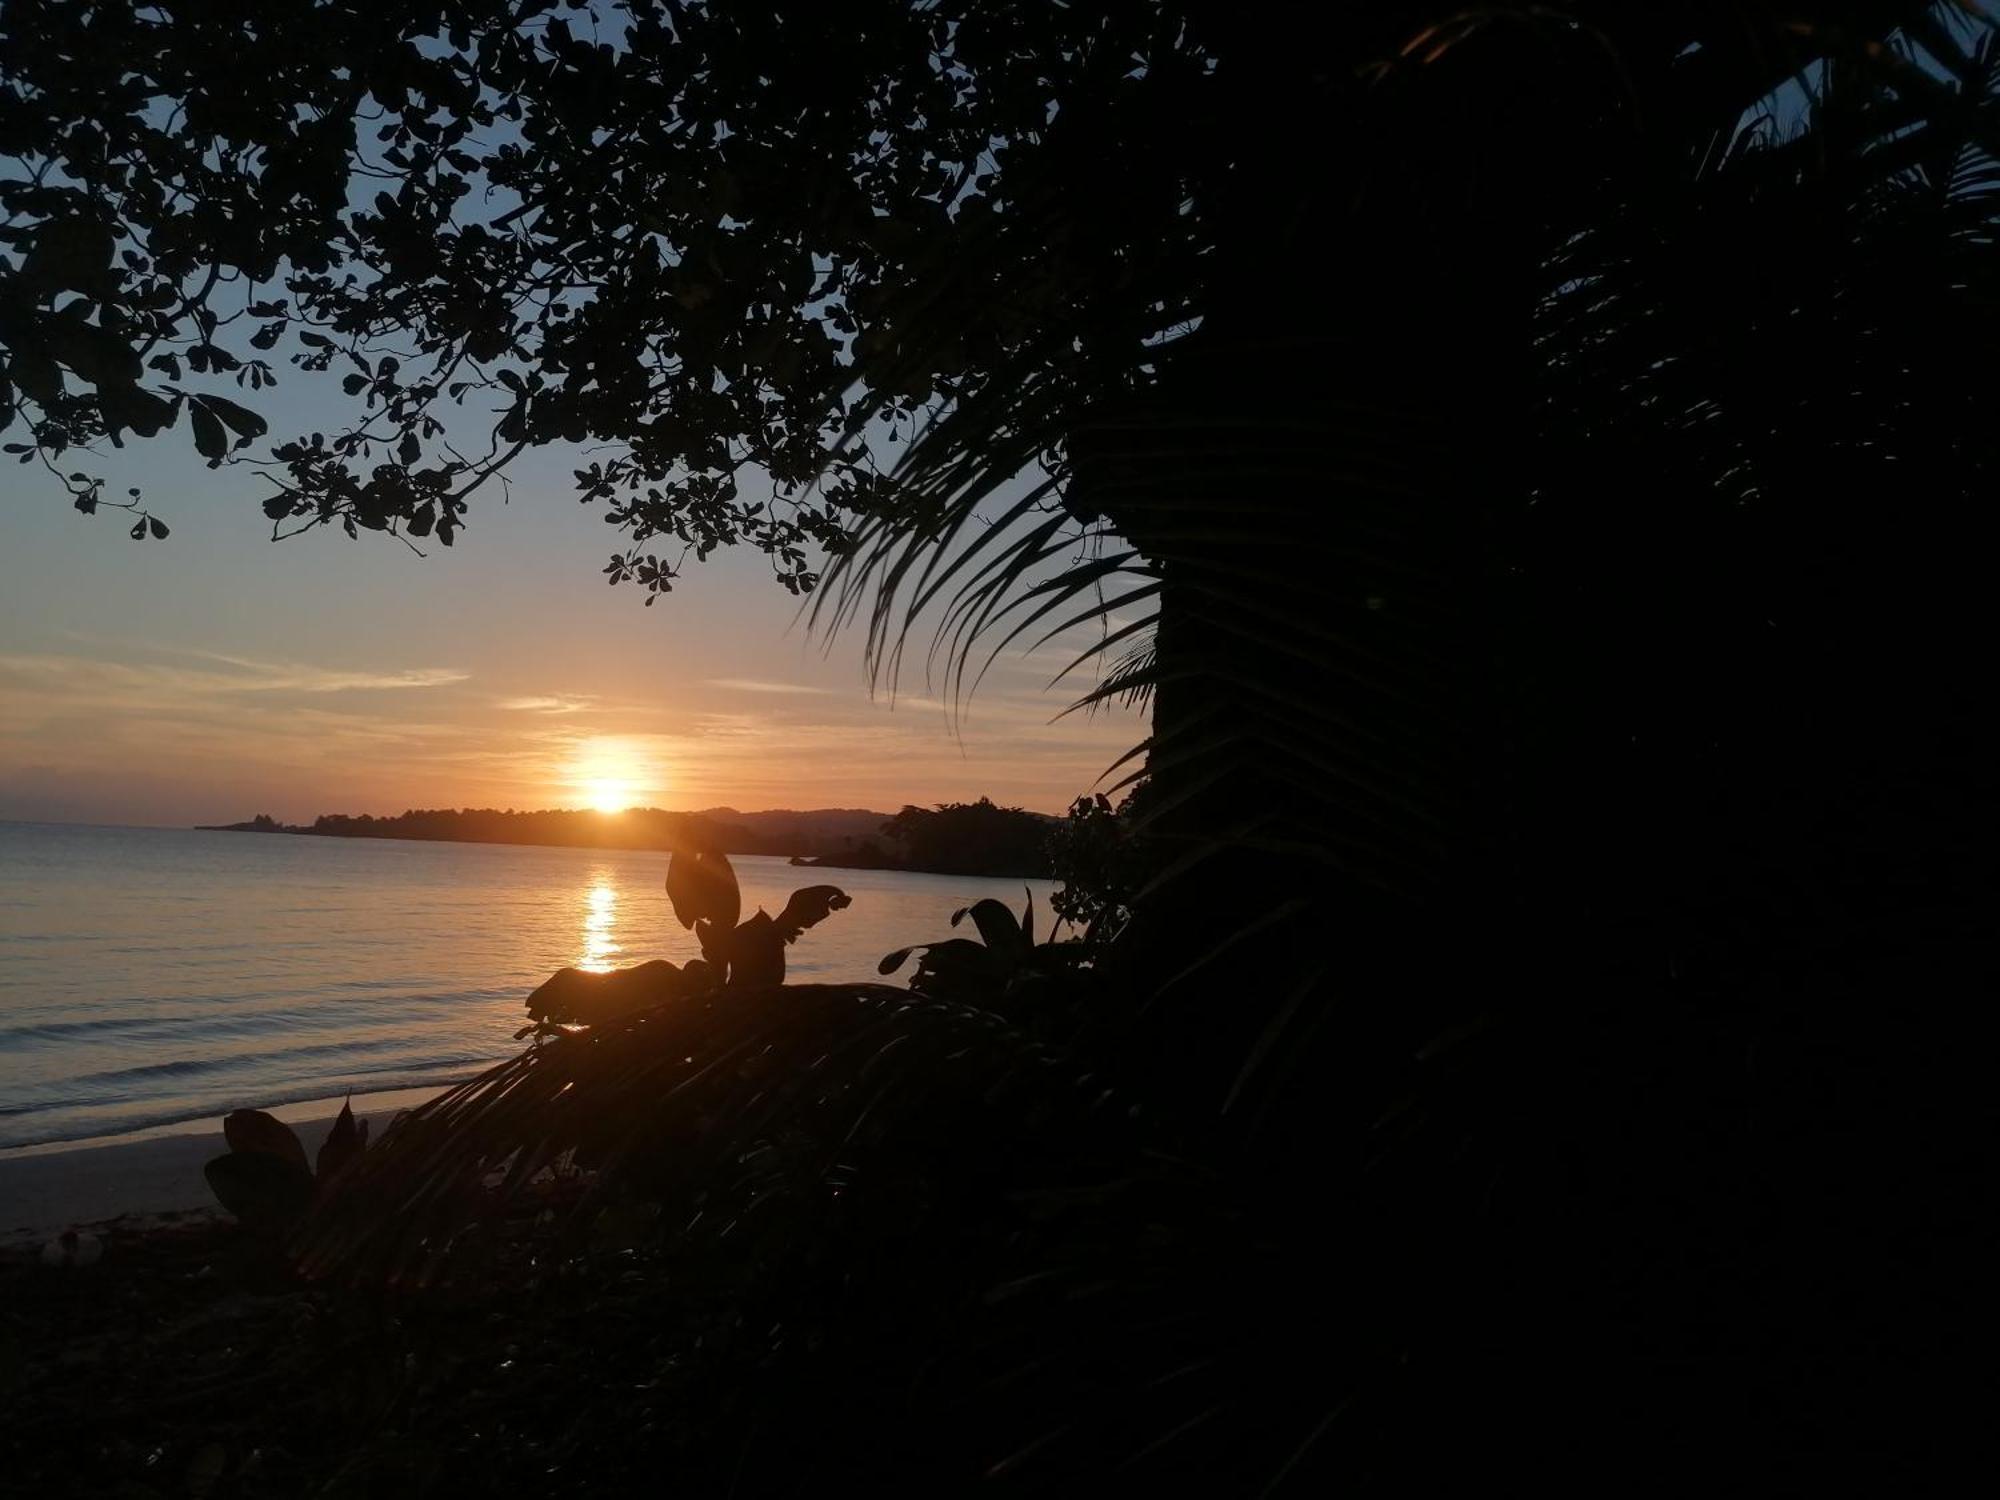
point(58, 1185)
point(292, 1112)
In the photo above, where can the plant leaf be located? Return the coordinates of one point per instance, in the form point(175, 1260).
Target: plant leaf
point(701, 884)
point(209, 439)
point(810, 905)
point(343, 1143)
point(240, 420)
point(254, 1131)
point(998, 927)
point(757, 953)
point(265, 1192)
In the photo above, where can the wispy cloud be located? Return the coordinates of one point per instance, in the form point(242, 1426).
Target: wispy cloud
point(544, 705)
point(248, 675)
point(754, 685)
point(298, 677)
point(251, 676)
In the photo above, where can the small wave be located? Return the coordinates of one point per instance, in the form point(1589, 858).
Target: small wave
point(235, 1062)
point(99, 1026)
point(227, 1014)
point(170, 1113)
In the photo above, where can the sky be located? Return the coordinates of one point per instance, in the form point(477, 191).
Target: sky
point(218, 674)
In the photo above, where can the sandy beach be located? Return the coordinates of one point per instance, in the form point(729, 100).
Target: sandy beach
point(46, 1189)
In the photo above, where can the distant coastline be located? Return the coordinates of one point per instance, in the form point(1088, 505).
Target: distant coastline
point(955, 839)
point(809, 833)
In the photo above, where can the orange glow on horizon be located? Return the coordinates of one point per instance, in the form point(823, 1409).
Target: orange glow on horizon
point(608, 794)
point(610, 775)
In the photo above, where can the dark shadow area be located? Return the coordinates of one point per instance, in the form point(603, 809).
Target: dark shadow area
point(1522, 1030)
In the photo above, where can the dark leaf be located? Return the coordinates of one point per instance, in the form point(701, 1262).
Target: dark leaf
point(254, 1131)
point(701, 884)
point(347, 1140)
point(757, 953)
point(714, 939)
point(998, 927)
point(134, 408)
point(37, 375)
point(209, 438)
point(265, 1192)
point(244, 422)
point(810, 905)
point(101, 358)
point(68, 252)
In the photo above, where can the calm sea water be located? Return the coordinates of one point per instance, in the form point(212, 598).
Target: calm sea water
point(152, 976)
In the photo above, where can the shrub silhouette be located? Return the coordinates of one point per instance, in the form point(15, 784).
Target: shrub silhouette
point(263, 1178)
point(701, 885)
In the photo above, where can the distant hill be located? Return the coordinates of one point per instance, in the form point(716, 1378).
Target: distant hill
point(953, 839)
point(786, 832)
point(824, 829)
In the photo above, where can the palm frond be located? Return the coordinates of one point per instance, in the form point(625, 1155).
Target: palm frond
point(731, 1108)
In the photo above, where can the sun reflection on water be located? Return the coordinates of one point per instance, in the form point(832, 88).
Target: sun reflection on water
point(600, 916)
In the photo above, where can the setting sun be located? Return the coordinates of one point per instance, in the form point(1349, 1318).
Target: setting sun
point(608, 794)
point(612, 773)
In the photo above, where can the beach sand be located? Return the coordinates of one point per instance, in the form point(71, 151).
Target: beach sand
point(47, 1189)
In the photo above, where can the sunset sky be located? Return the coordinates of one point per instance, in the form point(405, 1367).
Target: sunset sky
point(217, 674)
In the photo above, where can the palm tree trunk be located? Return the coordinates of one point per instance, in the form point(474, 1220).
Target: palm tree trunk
point(1321, 482)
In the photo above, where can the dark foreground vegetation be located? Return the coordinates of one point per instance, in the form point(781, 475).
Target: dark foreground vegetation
point(1530, 462)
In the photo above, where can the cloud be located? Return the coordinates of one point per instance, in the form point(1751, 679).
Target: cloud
point(753, 685)
point(295, 677)
point(544, 705)
point(80, 677)
point(248, 677)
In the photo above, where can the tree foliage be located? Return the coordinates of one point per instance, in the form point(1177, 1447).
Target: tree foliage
point(723, 238)
point(971, 838)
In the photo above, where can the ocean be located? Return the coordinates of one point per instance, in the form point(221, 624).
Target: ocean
point(151, 977)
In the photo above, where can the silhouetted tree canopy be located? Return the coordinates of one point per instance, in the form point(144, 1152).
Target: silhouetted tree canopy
point(706, 233)
point(972, 838)
point(726, 238)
